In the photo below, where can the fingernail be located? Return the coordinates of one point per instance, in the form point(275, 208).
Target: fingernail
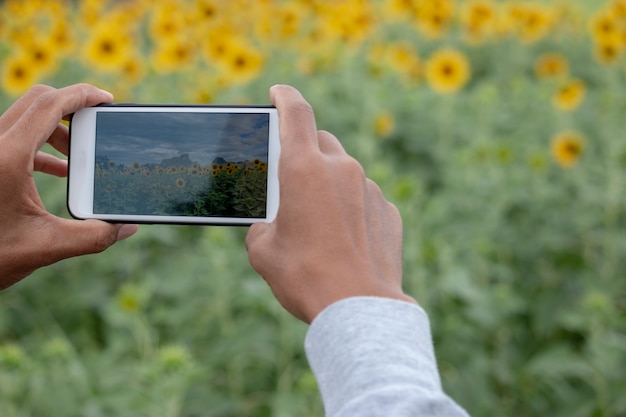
point(126, 231)
point(108, 93)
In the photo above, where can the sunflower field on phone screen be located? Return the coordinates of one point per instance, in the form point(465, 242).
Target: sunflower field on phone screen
point(496, 127)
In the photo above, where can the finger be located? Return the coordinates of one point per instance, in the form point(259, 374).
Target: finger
point(49, 164)
point(329, 144)
point(14, 112)
point(298, 132)
point(42, 117)
point(59, 139)
point(71, 238)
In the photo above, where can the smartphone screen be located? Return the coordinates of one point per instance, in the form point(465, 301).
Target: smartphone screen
point(183, 166)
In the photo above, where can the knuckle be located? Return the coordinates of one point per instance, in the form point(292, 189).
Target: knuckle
point(299, 170)
point(102, 239)
point(302, 107)
point(46, 101)
point(39, 89)
point(353, 167)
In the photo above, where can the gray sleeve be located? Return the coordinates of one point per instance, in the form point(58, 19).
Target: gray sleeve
point(374, 357)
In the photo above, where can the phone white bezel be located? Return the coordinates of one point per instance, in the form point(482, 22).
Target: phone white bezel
point(81, 163)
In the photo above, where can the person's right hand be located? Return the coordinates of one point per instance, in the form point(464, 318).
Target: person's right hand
point(335, 236)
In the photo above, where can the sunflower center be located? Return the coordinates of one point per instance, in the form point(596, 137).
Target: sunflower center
point(19, 73)
point(572, 149)
point(107, 47)
point(240, 61)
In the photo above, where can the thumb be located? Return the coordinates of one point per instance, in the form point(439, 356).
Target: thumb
point(256, 244)
point(82, 237)
point(255, 233)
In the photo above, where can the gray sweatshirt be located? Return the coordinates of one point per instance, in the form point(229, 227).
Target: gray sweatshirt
point(374, 357)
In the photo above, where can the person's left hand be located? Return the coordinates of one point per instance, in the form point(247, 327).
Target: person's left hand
point(30, 236)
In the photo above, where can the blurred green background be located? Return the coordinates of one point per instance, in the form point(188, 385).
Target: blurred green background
point(496, 127)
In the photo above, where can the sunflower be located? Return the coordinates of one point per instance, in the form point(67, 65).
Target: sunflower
point(62, 37)
point(604, 26)
point(618, 9)
point(608, 50)
point(384, 124)
point(42, 53)
point(18, 74)
point(168, 20)
point(566, 148)
point(402, 58)
point(206, 11)
point(398, 9)
point(133, 70)
point(172, 54)
point(180, 183)
point(447, 71)
point(478, 18)
point(216, 46)
point(280, 24)
point(108, 48)
point(533, 21)
point(570, 95)
point(551, 65)
point(243, 63)
point(434, 17)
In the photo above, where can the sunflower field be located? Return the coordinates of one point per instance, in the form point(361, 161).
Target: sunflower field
point(496, 127)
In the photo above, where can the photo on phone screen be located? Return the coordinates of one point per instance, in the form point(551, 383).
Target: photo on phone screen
point(163, 165)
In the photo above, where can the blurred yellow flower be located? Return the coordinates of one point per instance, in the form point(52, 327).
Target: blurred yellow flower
point(349, 21)
point(168, 20)
point(569, 96)
point(399, 9)
point(129, 299)
point(384, 124)
point(604, 26)
point(434, 17)
point(618, 9)
point(107, 48)
point(216, 45)
point(241, 62)
point(533, 21)
point(281, 24)
point(400, 56)
point(566, 148)
point(18, 74)
point(173, 54)
point(62, 37)
point(607, 51)
point(206, 11)
point(478, 18)
point(133, 70)
point(551, 65)
point(447, 71)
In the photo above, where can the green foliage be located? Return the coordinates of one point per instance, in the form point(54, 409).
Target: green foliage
point(218, 190)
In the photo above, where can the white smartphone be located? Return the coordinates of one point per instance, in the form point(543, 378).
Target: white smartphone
point(174, 164)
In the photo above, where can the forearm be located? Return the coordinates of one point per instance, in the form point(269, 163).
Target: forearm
point(374, 357)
